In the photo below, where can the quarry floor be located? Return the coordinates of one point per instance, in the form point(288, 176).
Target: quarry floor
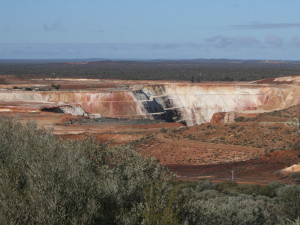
point(255, 148)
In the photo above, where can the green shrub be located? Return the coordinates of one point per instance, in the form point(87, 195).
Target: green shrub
point(270, 190)
point(204, 185)
point(161, 209)
point(296, 177)
point(228, 210)
point(289, 201)
point(226, 186)
point(239, 119)
point(222, 203)
point(44, 181)
point(296, 146)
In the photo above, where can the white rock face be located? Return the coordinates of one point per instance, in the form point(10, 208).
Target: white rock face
point(73, 110)
point(292, 169)
point(197, 103)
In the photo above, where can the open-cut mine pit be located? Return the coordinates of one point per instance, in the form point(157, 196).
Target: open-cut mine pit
point(166, 119)
point(188, 103)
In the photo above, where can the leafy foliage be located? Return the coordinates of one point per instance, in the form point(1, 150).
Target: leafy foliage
point(209, 205)
point(46, 181)
point(289, 201)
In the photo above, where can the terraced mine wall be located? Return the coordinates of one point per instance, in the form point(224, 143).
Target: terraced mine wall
point(187, 103)
point(195, 104)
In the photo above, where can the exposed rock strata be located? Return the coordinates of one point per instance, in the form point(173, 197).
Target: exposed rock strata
point(188, 103)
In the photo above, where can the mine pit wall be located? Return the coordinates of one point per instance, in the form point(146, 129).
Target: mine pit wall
point(109, 104)
point(195, 104)
point(190, 104)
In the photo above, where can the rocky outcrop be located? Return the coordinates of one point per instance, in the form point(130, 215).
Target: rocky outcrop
point(75, 110)
point(288, 170)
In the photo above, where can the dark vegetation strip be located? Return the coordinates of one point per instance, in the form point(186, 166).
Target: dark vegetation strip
point(190, 70)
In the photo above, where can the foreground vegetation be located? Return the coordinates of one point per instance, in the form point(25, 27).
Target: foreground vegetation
point(46, 181)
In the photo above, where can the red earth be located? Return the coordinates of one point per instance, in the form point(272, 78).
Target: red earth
point(255, 147)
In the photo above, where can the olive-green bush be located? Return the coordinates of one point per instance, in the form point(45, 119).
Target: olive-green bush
point(289, 201)
point(45, 181)
point(209, 204)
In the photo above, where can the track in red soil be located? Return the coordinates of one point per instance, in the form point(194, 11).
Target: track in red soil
point(255, 171)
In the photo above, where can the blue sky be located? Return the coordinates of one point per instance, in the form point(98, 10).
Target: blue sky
point(144, 29)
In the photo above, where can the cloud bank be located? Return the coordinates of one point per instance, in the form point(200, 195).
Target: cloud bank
point(265, 26)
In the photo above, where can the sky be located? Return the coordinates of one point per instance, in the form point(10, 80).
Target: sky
point(150, 29)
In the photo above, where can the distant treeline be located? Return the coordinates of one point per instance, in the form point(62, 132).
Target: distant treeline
point(190, 70)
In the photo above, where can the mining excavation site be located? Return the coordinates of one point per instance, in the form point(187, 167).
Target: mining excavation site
point(198, 130)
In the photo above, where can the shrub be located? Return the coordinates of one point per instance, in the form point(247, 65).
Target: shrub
point(228, 210)
point(161, 209)
point(289, 201)
point(296, 146)
point(204, 185)
point(270, 190)
point(239, 119)
point(296, 177)
point(44, 181)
